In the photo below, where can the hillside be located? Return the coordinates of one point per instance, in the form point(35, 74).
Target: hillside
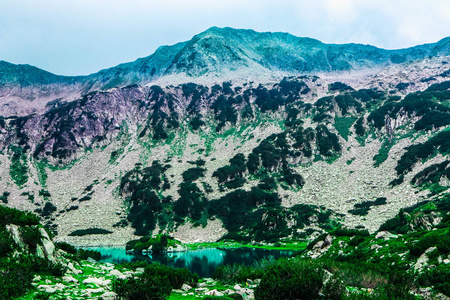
point(247, 162)
point(211, 57)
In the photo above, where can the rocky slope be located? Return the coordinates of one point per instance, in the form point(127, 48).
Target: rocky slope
point(213, 56)
point(260, 160)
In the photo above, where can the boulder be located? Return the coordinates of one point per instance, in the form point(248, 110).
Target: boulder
point(47, 245)
point(89, 292)
point(384, 235)
point(46, 288)
point(214, 293)
point(69, 279)
point(116, 273)
point(97, 281)
point(186, 287)
point(327, 241)
point(108, 296)
point(375, 247)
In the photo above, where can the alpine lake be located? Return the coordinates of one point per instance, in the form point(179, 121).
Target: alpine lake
point(200, 261)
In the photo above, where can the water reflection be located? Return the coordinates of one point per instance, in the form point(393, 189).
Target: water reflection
point(203, 261)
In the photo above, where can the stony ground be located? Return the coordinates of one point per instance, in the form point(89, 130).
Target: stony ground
point(93, 280)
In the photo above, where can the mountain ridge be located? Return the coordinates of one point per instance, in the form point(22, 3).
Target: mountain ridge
point(162, 61)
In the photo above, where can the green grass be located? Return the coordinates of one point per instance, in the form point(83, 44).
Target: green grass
point(18, 170)
point(343, 124)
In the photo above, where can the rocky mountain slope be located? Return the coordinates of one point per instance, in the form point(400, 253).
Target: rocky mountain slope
point(213, 56)
point(259, 159)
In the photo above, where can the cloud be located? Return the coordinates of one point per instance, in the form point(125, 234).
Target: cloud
point(83, 36)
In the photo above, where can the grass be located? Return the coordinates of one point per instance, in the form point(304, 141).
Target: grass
point(343, 124)
point(294, 246)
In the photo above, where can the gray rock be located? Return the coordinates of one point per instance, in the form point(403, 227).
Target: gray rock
point(69, 279)
point(214, 293)
point(46, 288)
point(116, 273)
point(108, 296)
point(186, 287)
point(328, 240)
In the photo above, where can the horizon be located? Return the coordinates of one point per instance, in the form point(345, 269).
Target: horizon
point(226, 27)
point(81, 37)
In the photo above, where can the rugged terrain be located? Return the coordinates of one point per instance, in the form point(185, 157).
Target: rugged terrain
point(234, 134)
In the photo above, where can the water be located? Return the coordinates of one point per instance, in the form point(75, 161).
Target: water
point(202, 261)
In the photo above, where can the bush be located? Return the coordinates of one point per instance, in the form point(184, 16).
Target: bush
point(6, 242)
point(295, 279)
point(15, 216)
point(82, 232)
point(30, 236)
point(83, 254)
point(231, 274)
point(156, 282)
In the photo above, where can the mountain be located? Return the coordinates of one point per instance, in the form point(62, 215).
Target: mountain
point(213, 56)
point(311, 137)
point(226, 53)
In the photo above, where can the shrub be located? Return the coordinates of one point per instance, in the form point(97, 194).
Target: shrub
point(83, 254)
point(295, 279)
point(15, 216)
point(230, 274)
point(30, 236)
point(82, 232)
point(6, 242)
point(156, 282)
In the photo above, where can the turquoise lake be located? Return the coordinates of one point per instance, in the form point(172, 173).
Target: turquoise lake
point(202, 261)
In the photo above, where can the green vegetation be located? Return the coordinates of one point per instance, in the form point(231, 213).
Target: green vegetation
point(362, 209)
point(156, 282)
point(18, 169)
point(383, 153)
point(89, 231)
point(15, 216)
point(342, 126)
point(440, 143)
point(157, 244)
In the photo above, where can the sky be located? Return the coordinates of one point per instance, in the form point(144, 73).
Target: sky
point(79, 37)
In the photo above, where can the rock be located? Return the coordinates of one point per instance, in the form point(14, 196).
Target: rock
point(46, 288)
point(116, 273)
point(47, 244)
point(72, 269)
point(375, 247)
point(328, 240)
point(229, 292)
point(446, 261)
point(214, 293)
point(97, 281)
point(69, 279)
point(37, 278)
point(200, 290)
point(109, 296)
point(140, 270)
point(319, 245)
point(89, 292)
point(186, 287)
point(237, 287)
point(202, 284)
point(257, 281)
point(384, 235)
point(14, 230)
point(91, 260)
point(326, 276)
point(423, 259)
